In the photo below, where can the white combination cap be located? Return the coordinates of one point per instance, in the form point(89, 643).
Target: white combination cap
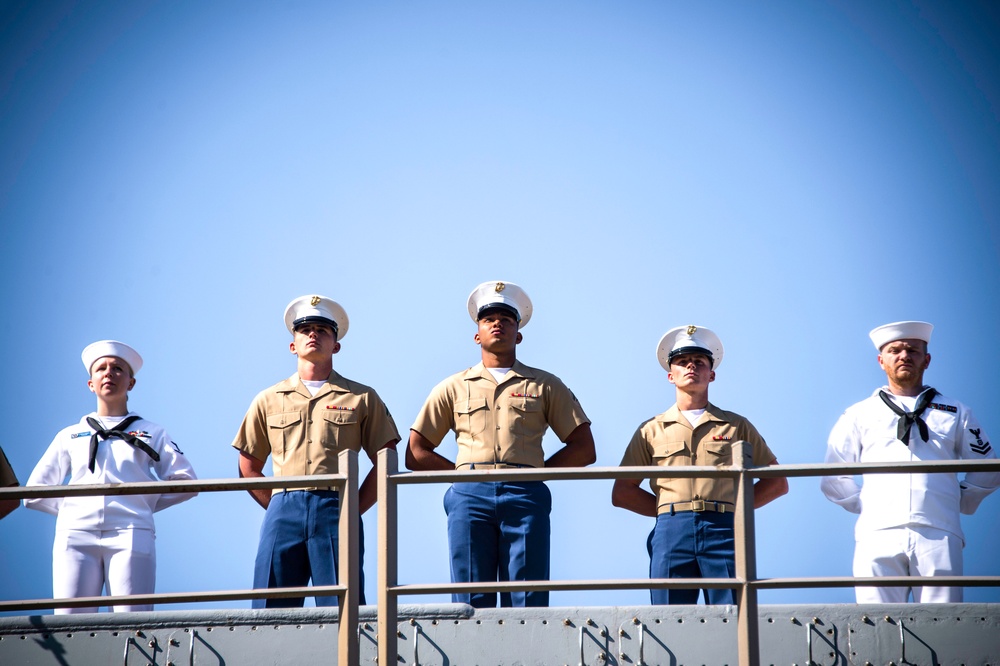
point(316, 310)
point(689, 340)
point(102, 348)
point(500, 295)
point(901, 330)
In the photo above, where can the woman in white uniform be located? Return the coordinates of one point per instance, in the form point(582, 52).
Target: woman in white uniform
point(107, 541)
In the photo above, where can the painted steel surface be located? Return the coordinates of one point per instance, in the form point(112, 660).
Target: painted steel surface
point(456, 634)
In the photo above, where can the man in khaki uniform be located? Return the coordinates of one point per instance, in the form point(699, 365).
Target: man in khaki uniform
point(7, 480)
point(693, 535)
point(499, 409)
point(303, 423)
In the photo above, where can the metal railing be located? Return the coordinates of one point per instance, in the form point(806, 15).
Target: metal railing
point(745, 582)
point(390, 478)
point(347, 590)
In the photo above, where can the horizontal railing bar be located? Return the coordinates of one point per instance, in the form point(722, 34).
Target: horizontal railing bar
point(696, 583)
point(887, 581)
point(157, 487)
point(600, 473)
point(570, 585)
point(458, 476)
point(840, 469)
point(174, 598)
point(556, 473)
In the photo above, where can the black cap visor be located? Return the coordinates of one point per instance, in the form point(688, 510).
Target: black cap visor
point(314, 319)
point(502, 307)
point(691, 350)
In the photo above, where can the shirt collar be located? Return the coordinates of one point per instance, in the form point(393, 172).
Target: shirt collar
point(335, 382)
point(674, 415)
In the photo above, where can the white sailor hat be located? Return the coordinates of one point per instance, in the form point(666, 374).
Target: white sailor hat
point(504, 295)
point(689, 340)
point(314, 309)
point(901, 330)
point(102, 348)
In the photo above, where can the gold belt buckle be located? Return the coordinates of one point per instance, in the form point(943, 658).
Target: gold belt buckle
point(698, 505)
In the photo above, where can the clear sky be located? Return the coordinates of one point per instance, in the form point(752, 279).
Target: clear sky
point(790, 174)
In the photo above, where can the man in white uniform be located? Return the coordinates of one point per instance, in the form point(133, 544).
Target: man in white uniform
point(108, 541)
point(909, 523)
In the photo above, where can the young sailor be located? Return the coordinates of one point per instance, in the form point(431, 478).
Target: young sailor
point(107, 541)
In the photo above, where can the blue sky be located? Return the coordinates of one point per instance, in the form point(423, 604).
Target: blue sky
point(789, 174)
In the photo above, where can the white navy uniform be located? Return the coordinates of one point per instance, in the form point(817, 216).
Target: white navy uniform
point(916, 513)
point(106, 539)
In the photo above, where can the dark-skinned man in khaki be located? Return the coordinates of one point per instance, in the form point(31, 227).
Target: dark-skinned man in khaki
point(499, 410)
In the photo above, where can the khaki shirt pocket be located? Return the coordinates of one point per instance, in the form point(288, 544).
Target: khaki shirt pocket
point(718, 453)
point(471, 416)
point(671, 453)
point(528, 419)
point(342, 430)
point(282, 430)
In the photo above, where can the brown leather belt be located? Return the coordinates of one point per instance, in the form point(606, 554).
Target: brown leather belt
point(698, 506)
point(494, 466)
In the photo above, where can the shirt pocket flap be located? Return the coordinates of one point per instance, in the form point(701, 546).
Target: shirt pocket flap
point(340, 416)
point(469, 406)
point(719, 449)
point(669, 449)
point(284, 420)
point(527, 405)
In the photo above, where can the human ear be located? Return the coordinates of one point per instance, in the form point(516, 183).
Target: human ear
point(291, 346)
point(90, 385)
point(476, 338)
point(336, 347)
point(519, 338)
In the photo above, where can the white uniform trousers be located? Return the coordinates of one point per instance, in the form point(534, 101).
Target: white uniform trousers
point(908, 551)
point(84, 562)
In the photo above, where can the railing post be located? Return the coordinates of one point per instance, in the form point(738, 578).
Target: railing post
point(746, 558)
point(388, 649)
point(349, 570)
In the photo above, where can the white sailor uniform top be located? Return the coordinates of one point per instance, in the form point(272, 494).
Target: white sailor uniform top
point(871, 431)
point(115, 460)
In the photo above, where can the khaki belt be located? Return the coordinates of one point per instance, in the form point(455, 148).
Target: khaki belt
point(494, 466)
point(698, 506)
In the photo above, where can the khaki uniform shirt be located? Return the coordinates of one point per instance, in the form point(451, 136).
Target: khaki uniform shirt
point(304, 434)
point(7, 477)
point(502, 422)
point(668, 439)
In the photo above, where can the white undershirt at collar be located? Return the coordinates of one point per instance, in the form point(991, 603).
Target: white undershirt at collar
point(499, 373)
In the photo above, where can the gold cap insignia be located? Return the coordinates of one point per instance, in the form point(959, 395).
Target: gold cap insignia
point(500, 287)
point(692, 329)
point(314, 301)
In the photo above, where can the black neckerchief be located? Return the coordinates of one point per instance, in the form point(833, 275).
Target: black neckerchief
point(118, 432)
point(907, 419)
